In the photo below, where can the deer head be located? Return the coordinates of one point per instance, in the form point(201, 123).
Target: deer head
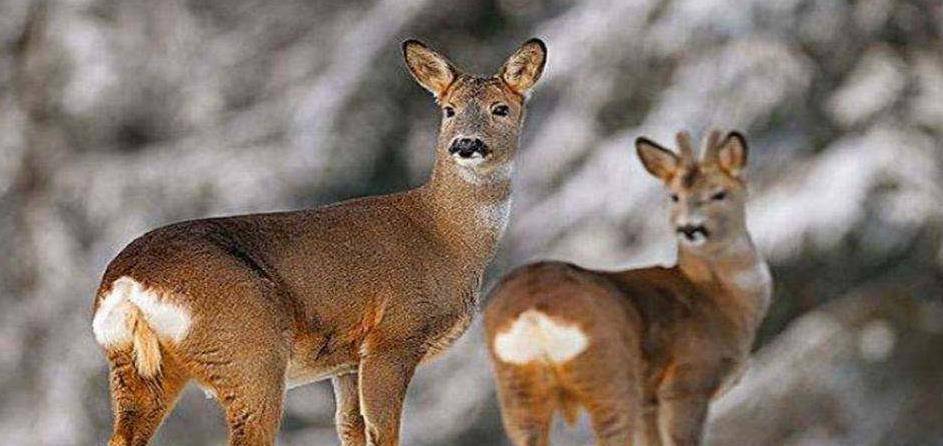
point(707, 194)
point(481, 116)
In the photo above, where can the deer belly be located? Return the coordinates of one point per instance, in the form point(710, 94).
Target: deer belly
point(299, 373)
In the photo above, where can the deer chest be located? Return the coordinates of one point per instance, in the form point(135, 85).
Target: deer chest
point(444, 340)
point(454, 328)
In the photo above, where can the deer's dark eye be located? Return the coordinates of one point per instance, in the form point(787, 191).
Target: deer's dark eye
point(449, 111)
point(674, 198)
point(719, 195)
point(500, 110)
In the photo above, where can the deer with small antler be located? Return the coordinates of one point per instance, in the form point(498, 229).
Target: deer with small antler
point(644, 350)
point(361, 291)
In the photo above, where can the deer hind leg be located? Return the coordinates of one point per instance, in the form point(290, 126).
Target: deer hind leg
point(252, 396)
point(254, 418)
point(243, 367)
point(140, 404)
point(614, 409)
point(249, 384)
point(683, 400)
point(607, 381)
point(349, 421)
point(526, 395)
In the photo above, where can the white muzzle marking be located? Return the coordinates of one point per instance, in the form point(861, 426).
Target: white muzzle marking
point(473, 161)
point(534, 335)
point(110, 325)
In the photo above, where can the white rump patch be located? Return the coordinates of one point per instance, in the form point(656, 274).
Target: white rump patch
point(534, 335)
point(110, 322)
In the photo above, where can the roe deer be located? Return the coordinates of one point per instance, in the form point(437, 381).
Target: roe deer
point(360, 292)
point(650, 345)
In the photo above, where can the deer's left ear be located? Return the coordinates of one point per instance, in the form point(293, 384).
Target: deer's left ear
point(524, 67)
point(732, 153)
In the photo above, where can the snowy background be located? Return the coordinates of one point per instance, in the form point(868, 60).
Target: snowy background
point(120, 116)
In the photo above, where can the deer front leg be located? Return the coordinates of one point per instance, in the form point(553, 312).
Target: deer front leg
point(384, 375)
point(648, 434)
point(683, 400)
point(682, 420)
point(349, 421)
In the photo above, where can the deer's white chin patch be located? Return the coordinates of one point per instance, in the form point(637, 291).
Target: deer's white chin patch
point(474, 160)
point(536, 336)
point(110, 324)
point(473, 172)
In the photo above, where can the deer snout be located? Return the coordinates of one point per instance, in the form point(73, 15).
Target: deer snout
point(695, 233)
point(469, 148)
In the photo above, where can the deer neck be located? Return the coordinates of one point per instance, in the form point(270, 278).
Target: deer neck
point(736, 276)
point(469, 210)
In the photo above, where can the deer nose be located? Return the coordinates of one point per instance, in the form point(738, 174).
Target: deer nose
point(468, 147)
point(692, 232)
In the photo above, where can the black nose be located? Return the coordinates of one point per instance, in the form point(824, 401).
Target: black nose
point(467, 147)
point(690, 231)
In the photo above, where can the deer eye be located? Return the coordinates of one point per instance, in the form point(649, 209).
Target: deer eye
point(674, 198)
point(449, 111)
point(500, 110)
point(719, 195)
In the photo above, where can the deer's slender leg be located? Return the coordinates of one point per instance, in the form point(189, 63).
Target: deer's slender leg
point(682, 420)
point(252, 398)
point(249, 384)
point(384, 375)
point(140, 404)
point(348, 419)
point(614, 406)
point(526, 403)
point(683, 402)
point(606, 379)
point(649, 434)
point(614, 414)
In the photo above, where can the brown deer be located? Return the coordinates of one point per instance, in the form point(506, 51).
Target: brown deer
point(360, 291)
point(644, 350)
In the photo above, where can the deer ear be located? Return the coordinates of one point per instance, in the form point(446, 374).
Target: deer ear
point(432, 70)
point(658, 161)
point(732, 153)
point(524, 67)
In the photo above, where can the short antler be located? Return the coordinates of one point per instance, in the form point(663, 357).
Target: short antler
point(711, 145)
point(685, 147)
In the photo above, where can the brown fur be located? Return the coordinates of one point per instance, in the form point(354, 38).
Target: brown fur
point(361, 291)
point(661, 340)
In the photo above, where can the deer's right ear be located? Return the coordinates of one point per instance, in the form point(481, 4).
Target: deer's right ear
point(432, 70)
point(657, 160)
